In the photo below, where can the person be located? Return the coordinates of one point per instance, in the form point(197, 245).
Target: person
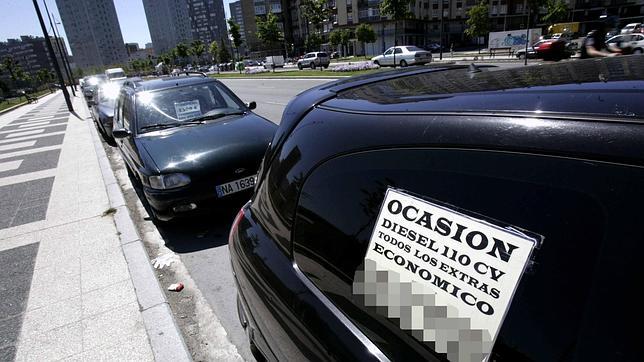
point(595, 43)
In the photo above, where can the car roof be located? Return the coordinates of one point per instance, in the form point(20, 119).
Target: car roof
point(171, 82)
point(608, 88)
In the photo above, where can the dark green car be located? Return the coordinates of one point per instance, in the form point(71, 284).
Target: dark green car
point(189, 142)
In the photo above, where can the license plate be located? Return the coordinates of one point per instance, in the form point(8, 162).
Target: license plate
point(236, 186)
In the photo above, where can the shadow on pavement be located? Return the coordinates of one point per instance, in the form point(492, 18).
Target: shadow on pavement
point(195, 232)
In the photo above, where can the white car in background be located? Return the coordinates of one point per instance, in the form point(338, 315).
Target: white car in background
point(632, 28)
point(404, 55)
point(632, 43)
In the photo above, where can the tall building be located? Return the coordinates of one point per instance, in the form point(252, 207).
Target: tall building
point(207, 20)
point(169, 23)
point(254, 9)
point(238, 17)
point(31, 53)
point(93, 31)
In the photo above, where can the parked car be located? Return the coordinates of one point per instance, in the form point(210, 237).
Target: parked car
point(313, 60)
point(115, 74)
point(361, 246)
point(274, 61)
point(521, 53)
point(404, 56)
point(552, 49)
point(90, 84)
point(632, 43)
point(189, 142)
point(632, 28)
point(434, 47)
point(103, 103)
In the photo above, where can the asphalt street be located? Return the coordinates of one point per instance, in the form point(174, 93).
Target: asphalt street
point(271, 95)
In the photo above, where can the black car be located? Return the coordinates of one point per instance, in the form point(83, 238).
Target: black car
point(189, 142)
point(451, 213)
point(102, 105)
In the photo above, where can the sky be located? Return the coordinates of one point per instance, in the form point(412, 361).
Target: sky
point(19, 18)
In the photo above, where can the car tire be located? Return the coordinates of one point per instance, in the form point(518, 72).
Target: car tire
point(299, 66)
point(375, 62)
point(312, 65)
point(326, 66)
point(520, 56)
point(403, 63)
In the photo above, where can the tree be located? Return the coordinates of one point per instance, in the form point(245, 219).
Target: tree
point(197, 48)
point(44, 76)
point(398, 10)
point(316, 12)
point(478, 21)
point(340, 37)
point(556, 10)
point(312, 42)
point(181, 51)
point(365, 34)
point(224, 55)
point(236, 35)
point(11, 66)
point(268, 32)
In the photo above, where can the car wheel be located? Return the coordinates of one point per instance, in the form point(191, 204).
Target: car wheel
point(638, 51)
point(521, 56)
point(403, 63)
point(375, 62)
point(299, 66)
point(312, 65)
point(326, 66)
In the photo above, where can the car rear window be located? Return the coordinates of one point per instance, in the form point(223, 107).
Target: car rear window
point(557, 88)
point(414, 49)
point(571, 304)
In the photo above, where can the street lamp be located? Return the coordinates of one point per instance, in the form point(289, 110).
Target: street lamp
point(70, 107)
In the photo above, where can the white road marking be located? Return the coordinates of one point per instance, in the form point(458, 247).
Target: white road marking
point(10, 180)
point(35, 127)
point(33, 124)
point(13, 146)
point(11, 165)
point(29, 152)
point(32, 137)
point(41, 117)
point(276, 103)
point(27, 133)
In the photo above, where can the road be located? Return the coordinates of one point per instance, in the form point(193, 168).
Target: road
point(271, 95)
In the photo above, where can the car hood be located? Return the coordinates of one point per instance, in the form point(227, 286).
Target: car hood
point(106, 110)
point(229, 143)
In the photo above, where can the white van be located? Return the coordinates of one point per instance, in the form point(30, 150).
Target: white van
point(115, 73)
point(274, 61)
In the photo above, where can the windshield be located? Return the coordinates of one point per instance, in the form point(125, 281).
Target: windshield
point(183, 104)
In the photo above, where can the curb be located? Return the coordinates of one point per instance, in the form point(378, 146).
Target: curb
point(165, 338)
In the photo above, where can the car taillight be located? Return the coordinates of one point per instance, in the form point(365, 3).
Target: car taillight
point(236, 221)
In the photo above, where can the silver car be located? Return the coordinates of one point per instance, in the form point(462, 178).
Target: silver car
point(404, 56)
point(314, 59)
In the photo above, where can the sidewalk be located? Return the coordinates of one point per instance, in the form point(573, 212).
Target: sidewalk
point(74, 280)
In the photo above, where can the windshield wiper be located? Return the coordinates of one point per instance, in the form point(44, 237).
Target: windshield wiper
point(173, 124)
point(208, 117)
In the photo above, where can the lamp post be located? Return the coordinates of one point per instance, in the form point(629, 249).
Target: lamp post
point(441, 30)
point(60, 51)
point(54, 60)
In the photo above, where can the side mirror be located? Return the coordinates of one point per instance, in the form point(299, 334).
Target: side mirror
point(121, 133)
point(251, 105)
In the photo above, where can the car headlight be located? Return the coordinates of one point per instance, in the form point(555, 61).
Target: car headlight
point(170, 181)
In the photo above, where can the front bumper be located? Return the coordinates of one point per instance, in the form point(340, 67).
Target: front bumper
point(288, 318)
point(169, 204)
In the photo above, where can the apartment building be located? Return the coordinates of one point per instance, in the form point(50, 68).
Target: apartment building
point(93, 31)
